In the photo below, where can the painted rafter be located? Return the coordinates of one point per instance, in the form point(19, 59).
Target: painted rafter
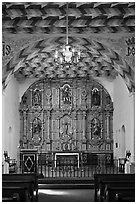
point(97, 17)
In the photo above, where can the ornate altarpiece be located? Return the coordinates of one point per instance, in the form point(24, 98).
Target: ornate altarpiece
point(67, 115)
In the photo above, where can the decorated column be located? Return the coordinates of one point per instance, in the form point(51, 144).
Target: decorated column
point(48, 125)
point(84, 124)
point(108, 124)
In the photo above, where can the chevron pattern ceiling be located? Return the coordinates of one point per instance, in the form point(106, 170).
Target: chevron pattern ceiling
point(41, 63)
point(83, 17)
point(96, 60)
point(86, 18)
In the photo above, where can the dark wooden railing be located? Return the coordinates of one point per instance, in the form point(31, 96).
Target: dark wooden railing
point(65, 166)
point(69, 169)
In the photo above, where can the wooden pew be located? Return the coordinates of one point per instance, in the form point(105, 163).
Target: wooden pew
point(21, 184)
point(116, 179)
point(15, 194)
point(114, 183)
point(119, 194)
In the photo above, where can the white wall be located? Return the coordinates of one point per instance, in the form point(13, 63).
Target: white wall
point(11, 98)
point(107, 84)
point(10, 118)
point(24, 86)
point(123, 115)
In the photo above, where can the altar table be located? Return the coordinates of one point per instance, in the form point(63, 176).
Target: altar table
point(66, 154)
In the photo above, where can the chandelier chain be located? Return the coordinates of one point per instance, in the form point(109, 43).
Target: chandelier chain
point(67, 24)
point(67, 55)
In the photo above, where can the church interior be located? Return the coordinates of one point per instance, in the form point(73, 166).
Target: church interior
point(68, 101)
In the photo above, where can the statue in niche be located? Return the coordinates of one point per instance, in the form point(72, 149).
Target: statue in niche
point(36, 97)
point(36, 130)
point(24, 99)
point(96, 127)
point(66, 124)
point(108, 99)
point(65, 129)
point(95, 97)
point(66, 95)
point(36, 126)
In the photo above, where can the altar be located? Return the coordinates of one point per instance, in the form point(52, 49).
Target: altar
point(66, 154)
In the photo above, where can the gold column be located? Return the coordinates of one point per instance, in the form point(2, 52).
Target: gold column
point(25, 122)
point(84, 124)
point(108, 125)
point(48, 125)
point(101, 125)
point(75, 126)
point(42, 103)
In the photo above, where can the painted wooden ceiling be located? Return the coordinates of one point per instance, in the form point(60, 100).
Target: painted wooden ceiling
point(91, 17)
point(37, 59)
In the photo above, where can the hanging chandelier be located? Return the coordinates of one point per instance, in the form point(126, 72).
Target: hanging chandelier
point(67, 54)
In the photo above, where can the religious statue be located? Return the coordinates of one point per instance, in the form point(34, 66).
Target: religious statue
point(24, 99)
point(66, 95)
point(25, 142)
point(95, 97)
point(108, 99)
point(36, 98)
point(96, 127)
point(36, 126)
point(66, 128)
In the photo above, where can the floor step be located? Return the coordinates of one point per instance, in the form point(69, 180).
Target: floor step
point(66, 180)
point(65, 186)
point(65, 183)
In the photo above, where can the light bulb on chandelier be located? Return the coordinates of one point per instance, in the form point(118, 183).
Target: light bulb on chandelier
point(67, 54)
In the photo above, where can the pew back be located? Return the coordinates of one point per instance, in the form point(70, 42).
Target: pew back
point(113, 179)
point(15, 194)
point(21, 184)
point(118, 193)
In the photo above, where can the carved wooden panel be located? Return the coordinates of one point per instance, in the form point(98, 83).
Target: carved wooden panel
point(67, 115)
